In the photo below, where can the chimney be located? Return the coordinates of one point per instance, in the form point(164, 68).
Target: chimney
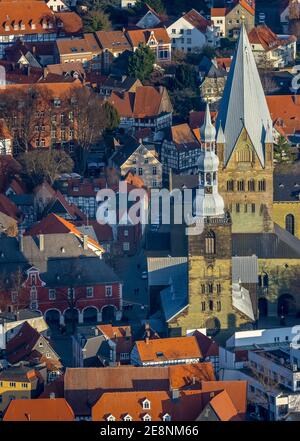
point(28, 417)
point(147, 340)
point(42, 242)
point(296, 99)
point(85, 242)
point(33, 49)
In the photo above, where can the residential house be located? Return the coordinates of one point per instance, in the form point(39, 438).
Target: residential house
point(192, 31)
point(19, 382)
point(270, 49)
point(128, 3)
point(10, 323)
point(149, 19)
point(166, 351)
point(57, 5)
point(61, 207)
point(140, 160)
point(56, 126)
point(285, 114)
point(288, 10)
point(113, 44)
point(85, 50)
point(119, 84)
point(35, 22)
point(39, 409)
point(230, 18)
point(180, 150)
point(146, 107)
point(63, 277)
point(71, 69)
point(89, 346)
point(120, 341)
point(209, 349)
point(28, 345)
point(220, 403)
point(213, 76)
point(156, 38)
point(84, 386)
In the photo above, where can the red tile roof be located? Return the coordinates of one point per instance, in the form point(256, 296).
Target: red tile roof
point(237, 391)
point(224, 407)
point(72, 23)
point(208, 346)
point(21, 345)
point(218, 12)
point(197, 20)
point(188, 375)
point(142, 36)
point(144, 102)
point(119, 404)
point(184, 138)
point(54, 224)
point(115, 41)
point(39, 409)
point(285, 112)
point(162, 349)
point(267, 38)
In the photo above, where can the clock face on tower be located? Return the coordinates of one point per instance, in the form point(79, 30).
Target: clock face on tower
point(208, 190)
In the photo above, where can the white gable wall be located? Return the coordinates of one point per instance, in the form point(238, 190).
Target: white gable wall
point(184, 36)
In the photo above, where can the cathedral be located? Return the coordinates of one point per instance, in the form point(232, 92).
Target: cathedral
point(242, 266)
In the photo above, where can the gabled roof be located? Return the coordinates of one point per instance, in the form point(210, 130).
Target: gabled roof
point(115, 41)
point(184, 138)
point(164, 349)
point(21, 345)
point(39, 409)
point(197, 20)
point(142, 36)
point(243, 103)
point(224, 407)
point(8, 207)
point(285, 112)
point(237, 391)
point(208, 346)
point(264, 36)
point(145, 102)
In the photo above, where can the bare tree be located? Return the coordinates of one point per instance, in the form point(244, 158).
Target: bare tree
point(12, 292)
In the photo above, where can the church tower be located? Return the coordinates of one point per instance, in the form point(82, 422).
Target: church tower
point(245, 145)
point(210, 303)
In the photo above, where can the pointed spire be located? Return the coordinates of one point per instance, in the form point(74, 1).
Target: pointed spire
point(269, 139)
point(220, 136)
point(207, 131)
point(243, 104)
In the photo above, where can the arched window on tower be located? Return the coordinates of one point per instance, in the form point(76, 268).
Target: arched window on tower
point(290, 223)
point(251, 185)
point(245, 155)
point(230, 185)
point(210, 243)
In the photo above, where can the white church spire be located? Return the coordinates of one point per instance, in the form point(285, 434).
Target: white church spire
point(208, 201)
point(243, 103)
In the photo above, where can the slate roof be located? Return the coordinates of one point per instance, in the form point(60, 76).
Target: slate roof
point(245, 269)
point(277, 245)
point(286, 187)
point(244, 104)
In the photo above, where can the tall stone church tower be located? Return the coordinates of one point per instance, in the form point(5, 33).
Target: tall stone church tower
point(245, 145)
point(210, 302)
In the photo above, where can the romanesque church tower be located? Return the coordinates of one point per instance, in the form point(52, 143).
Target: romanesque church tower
point(245, 145)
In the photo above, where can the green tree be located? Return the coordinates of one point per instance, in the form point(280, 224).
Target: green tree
point(96, 21)
point(111, 115)
point(44, 165)
point(282, 150)
point(141, 63)
point(185, 76)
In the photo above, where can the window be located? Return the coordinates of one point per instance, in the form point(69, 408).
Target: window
point(126, 246)
point(154, 170)
point(108, 291)
point(219, 307)
point(262, 185)
point(146, 404)
point(127, 418)
point(124, 356)
point(202, 306)
point(230, 185)
point(210, 288)
point(166, 417)
point(253, 208)
point(147, 417)
point(290, 223)
point(12, 384)
point(56, 102)
point(110, 418)
point(202, 288)
point(71, 293)
point(90, 291)
point(237, 208)
point(218, 288)
point(245, 155)
point(251, 185)
point(210, 243)
point(173, 31)
point(140, 171)
point(211, 305)
point(52, 294)
point(24, 385)
point(240, 186)
point(126, 233)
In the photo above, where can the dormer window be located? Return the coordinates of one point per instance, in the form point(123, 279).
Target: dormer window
point(15, 26)
point(146, 404)
point(32, 24)
point(6, 26)
point(110, 418)
point(147, 417)
point(56, 102)
point(21, 25)
point(166, 417)
point(127, 418)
